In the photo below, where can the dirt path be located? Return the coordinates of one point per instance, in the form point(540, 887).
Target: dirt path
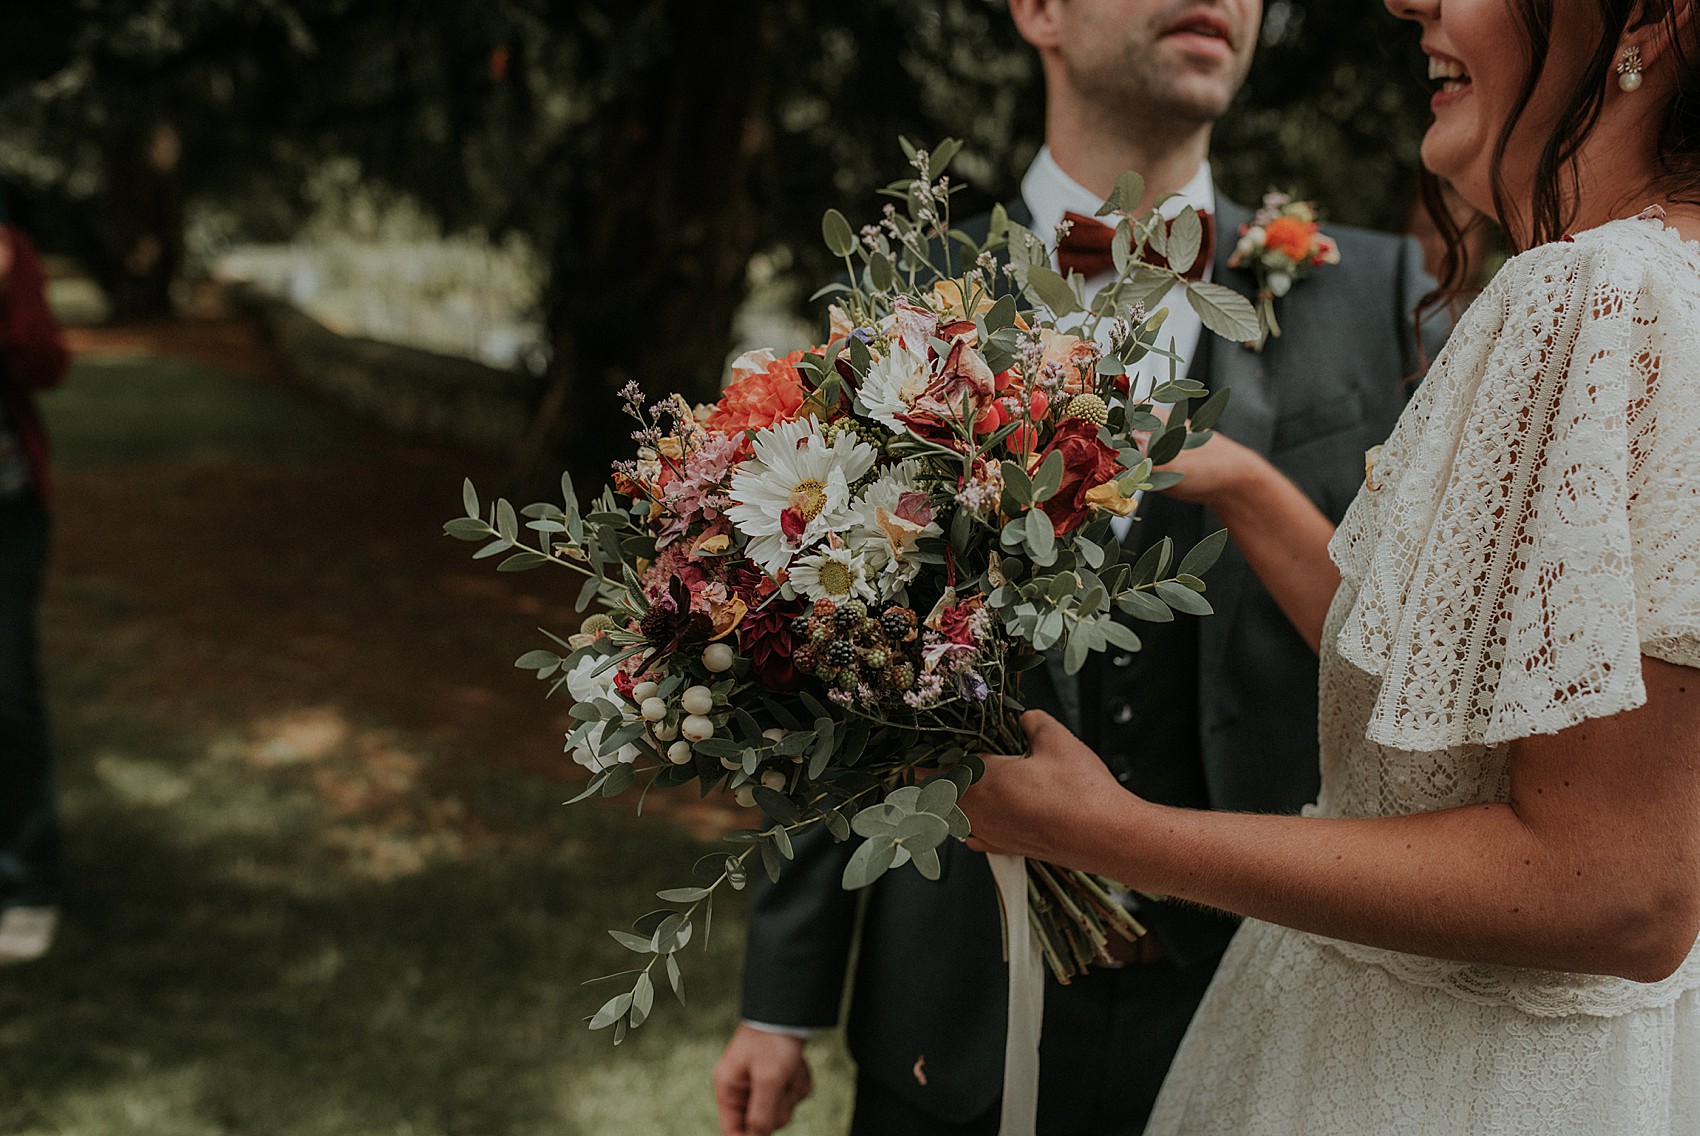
point(294, 575)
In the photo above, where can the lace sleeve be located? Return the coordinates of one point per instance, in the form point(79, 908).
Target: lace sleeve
point(1538, 505)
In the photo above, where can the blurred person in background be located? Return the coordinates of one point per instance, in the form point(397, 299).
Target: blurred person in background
point(142, 246)
point(32, 358)
point(1217, 713)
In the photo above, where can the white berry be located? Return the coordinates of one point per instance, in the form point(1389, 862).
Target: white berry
point(653, 709)
point(774, 735)
point(745, 795)
point(644, 691)
point(697, 728)
point(664, 732)
point(731, 763)
point(679, 753)
point(697, 700)
point(717, 657)
point(773, 779)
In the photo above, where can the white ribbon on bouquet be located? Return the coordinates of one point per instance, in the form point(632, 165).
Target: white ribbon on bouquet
point(1026, 1000)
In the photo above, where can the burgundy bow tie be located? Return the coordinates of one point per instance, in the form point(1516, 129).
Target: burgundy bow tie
point(1086, 248)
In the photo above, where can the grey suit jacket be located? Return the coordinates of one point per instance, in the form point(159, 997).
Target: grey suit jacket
point(929, 973)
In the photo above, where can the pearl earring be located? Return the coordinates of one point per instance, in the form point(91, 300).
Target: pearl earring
point(1629, 69)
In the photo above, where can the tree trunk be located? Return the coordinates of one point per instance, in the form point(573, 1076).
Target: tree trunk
point(649, 269)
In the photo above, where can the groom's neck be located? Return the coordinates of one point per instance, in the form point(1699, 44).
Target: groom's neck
point(1095, 150)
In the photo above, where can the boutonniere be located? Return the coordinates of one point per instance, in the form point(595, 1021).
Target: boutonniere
point(1282, 242)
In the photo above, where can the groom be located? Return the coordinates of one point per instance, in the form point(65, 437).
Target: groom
point(1214, 713)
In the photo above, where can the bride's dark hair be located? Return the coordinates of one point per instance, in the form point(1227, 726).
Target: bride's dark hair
point(1551, 203)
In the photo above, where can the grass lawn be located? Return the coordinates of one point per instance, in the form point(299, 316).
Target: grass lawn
point(320, 880)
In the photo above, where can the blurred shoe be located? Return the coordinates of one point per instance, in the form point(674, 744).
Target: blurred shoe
point(26, 933)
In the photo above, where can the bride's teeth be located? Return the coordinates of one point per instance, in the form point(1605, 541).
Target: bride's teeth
point(1445, 69)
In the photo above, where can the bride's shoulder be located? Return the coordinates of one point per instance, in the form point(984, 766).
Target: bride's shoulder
point(1634, 268)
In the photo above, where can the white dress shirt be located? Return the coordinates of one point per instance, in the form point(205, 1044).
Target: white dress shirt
point(1049, 192)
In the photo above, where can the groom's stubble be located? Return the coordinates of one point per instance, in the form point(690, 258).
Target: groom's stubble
point(1129, 77)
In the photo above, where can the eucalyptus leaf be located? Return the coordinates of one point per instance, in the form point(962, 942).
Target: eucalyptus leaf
point(836, 232)
point(643, 998)
point(1182, 598)
point(1041, 537)
point(1051, 290)
point(1017, 484)
point(676, 979)
point(904, 800)
point(880, 273)
point(1166, 447)
point(876, 820)
point(1204, 554)
point(1049, 478)
point(1207, 415)
point(927, 862)
point(683, 895)
point(467, 528)
point(522, 562)
point(507, 522)
point(921, 830)
point(1049, 631)
point(638, 943)
point(869, 862)
point(612, 1011)
point(1075, 654)
point(1121, 635)
point(469, 499)
point(836, 824)
point(938, 797)
point(777, 805)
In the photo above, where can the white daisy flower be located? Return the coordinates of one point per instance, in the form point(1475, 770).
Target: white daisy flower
point(833, 571)
point(892, 516)
point(585, 685)
point(893, 383)
point(796, 489)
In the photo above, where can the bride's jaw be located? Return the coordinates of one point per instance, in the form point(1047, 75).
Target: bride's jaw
point(1458, 140)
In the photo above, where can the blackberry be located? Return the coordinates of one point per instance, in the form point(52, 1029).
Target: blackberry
point(898, 623)
point(848, 679)
point(901, 676)
point(800, 626)
point(867, 633)
point(821, 633)
point(840, 653)
point(805, 659)
point(876, 659)
point(824, 608)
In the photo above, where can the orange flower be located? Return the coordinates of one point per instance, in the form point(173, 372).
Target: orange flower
point(764, 390)
point(1290, 237)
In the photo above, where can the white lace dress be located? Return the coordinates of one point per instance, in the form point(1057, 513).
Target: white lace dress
point(1535, 529)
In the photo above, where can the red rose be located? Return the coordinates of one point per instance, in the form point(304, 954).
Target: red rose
point(1087, 462)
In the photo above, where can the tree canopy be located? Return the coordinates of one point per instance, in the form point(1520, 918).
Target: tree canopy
point(647, 148)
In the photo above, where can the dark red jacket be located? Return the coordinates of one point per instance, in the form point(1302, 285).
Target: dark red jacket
point(32, 351)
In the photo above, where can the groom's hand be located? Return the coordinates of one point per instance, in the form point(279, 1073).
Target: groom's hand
point(761, 1077)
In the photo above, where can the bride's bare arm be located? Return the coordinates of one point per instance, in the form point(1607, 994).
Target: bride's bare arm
point(1283, 535)
point(1592, 866)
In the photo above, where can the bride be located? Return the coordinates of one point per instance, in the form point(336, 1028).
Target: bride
point(1487, 923)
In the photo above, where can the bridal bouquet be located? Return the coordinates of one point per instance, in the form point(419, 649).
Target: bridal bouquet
point(818, 594)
